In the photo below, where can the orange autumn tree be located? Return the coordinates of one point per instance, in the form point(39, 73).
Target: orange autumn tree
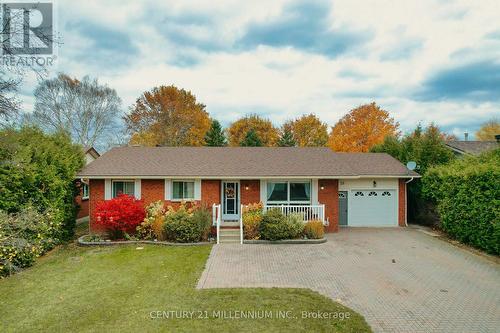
point(266, 132)
point(167, 116)
point(362, 128)
point(307, 131)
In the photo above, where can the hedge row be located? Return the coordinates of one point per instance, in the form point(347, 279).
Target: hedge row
point(467, 193)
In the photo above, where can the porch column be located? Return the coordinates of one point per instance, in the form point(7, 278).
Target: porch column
point(328, 194)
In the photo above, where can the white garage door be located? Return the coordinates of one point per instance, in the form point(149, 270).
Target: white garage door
point(371, 208)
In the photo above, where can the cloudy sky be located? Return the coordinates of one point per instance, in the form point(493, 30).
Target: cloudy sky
point(423, 61)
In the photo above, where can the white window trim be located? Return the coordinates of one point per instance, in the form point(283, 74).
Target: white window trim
point(169, 184)
point(288, 201)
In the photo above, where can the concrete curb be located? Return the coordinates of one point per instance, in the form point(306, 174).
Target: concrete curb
point(81, 242)
point(285, 241)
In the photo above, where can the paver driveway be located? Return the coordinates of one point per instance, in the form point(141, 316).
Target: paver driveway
point(432, 286)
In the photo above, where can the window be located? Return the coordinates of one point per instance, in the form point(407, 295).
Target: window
point(85, 191)
point(288, 192)
point(359, 194)
point(123, 187)
point(372, 194)
point(182, 190)
point(386, 193)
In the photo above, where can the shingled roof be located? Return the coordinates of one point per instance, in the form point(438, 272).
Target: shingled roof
point(472, 147)
point(244, 162)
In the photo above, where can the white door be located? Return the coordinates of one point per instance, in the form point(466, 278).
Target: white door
point(373, 208)
point(231, 200)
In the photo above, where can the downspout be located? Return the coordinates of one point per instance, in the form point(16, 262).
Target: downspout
point(406, 200)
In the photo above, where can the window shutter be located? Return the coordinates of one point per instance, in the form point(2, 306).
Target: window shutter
point(314, 192)
point(197, 189)
point(168, 189)
point(137, 189)
point(107, 189)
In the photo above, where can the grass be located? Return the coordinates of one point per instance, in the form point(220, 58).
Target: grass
point(115, 289)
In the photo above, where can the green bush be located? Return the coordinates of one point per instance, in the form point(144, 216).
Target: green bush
point(295, 224)
point(467, 194)
point(187, 225)
point(314, 230)
point(38, 170)
point(202, 217)
point(276, 226)
point(25, 236)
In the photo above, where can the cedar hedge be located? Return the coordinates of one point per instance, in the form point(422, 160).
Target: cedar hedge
point(467, 194)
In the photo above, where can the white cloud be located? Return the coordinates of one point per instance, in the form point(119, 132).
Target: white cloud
point(284, 82)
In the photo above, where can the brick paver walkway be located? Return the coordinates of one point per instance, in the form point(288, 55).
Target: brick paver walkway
point(431, 286)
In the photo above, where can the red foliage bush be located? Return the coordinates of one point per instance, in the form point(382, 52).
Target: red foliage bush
point(121, 214)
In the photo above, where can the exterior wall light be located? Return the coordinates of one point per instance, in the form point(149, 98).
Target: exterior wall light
point(322, 187)
point(247, 187)
point(374, 183)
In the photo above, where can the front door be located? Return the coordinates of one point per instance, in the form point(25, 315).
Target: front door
point(343, 208)
point(230, 200)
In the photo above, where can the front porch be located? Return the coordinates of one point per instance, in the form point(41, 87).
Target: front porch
point(232, 231)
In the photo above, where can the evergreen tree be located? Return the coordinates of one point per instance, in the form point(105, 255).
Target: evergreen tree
point(215, 136)
point(286, 139)
point(251, 139)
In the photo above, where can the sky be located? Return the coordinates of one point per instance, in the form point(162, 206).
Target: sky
point(423, 61)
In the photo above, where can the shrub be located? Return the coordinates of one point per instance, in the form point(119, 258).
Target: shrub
point(467, 194)
point(120, 215)
point(252, 216)
point(272, 226)
point(38, 170)
point(152, 226)
point(314, 230)
point(180, 226)
point(202, 216)
point(295, 224)
point(25, 236)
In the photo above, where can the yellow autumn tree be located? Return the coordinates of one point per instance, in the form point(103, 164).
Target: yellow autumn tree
point(167, 116)
point(266, 132)
point(488, 130)
point(307, 131)
point(361, 129)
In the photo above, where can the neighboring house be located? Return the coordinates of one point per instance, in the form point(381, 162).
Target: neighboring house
point(82, 200)
point(351, 189)
point(461, 148)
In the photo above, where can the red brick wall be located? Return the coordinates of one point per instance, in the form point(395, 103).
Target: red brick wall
point(210, 192)
point(329, 196)
point(252, 195)
point(152, 190)
point(96, 195)
point(84, 206)
point(402, 203)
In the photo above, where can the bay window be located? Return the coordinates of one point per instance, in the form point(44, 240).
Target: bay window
point(289, 192)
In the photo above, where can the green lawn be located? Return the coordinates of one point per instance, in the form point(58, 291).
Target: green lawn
point(115, 289)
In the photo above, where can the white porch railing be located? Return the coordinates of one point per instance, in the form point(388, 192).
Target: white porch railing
point(308, 212)
point(216, 218)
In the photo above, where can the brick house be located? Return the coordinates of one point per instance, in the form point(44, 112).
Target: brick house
point(341, 189)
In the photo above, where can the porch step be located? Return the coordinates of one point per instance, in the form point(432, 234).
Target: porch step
point(229, 236)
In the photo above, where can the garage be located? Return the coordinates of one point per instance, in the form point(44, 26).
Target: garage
point(372, 208)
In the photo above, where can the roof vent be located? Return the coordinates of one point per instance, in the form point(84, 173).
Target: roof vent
point(466, 136)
